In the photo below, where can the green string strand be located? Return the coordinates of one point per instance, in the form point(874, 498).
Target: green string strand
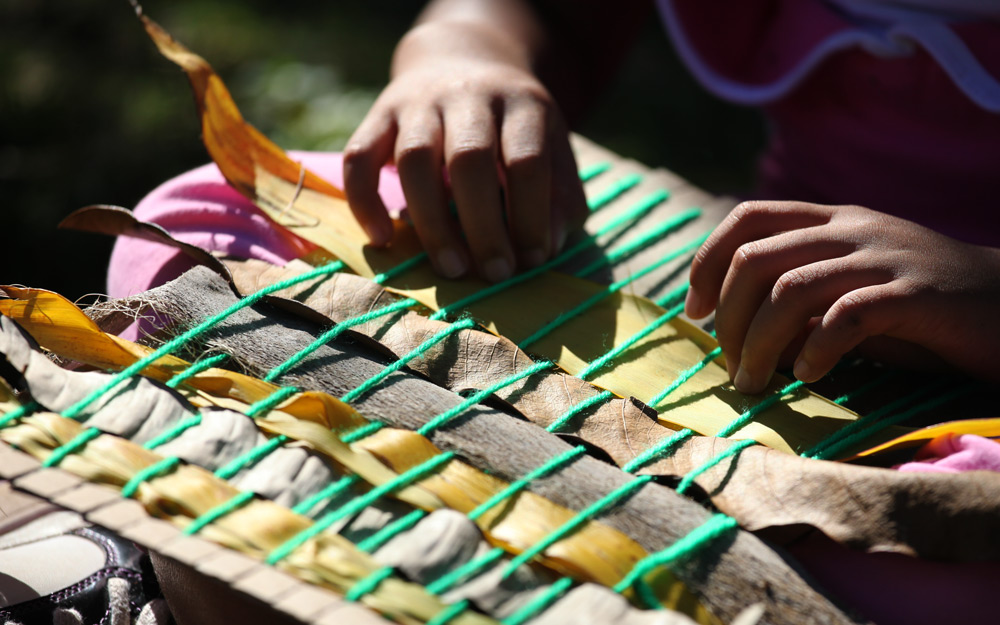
point(154, 470)
point(470, 569)
point(692, 475)
point(612, 498)
point(173, 432)
point(403, 267)
point(579, 407)
point(592, 171)
point(612, 192)
point(644, 206)
point(552, 465)
point(449, 614)
point(717, 525)
point(635, 246)
point(179, 341)
point(74, 445)
point(250, 457)
point(612, 288)
point(539, 603)
point(819, 449)
point(357, 504)
point(390, 531)
point(368, 584)
point(417, 352)
point(685, 375)
point(18, 412)
point(664, 447)
point(450, 414)
point(601, 362)
point(336, 331)
point(858, 436)
point(219, 511)
point(194, 369)
point(329, 492)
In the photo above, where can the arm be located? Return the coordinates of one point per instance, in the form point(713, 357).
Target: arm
point(816, 281)
point(465, 98)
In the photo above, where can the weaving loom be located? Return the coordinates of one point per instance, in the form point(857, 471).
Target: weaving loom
point(582, 471)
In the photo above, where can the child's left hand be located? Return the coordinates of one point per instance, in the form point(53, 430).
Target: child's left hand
point(818, 281)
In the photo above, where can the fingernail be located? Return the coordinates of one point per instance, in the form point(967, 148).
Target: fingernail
point(533, 257)
point(496, 269)
point(379, 233)
point(743, 382)
point(692, 304)
point(803, 371)
point(450, 263)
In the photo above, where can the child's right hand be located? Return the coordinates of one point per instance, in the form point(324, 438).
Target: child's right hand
point(463, 102)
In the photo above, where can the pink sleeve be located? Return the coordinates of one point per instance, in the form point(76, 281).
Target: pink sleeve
point(199, 207)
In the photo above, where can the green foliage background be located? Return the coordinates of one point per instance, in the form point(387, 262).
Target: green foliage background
point(90, 114)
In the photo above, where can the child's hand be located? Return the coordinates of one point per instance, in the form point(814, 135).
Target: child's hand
point(834, 276)
point(463, 100)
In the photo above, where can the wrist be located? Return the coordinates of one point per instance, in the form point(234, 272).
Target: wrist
point(451, 40)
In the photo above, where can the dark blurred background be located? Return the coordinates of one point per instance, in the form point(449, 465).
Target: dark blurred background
point(90, 113)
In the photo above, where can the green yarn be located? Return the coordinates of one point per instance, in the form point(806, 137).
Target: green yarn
point(368, 584)
point(855, 438)
point(362, 432)
point(391, 530)
point(195, 369)
point(599, 363)
point(612, 192)
point(539, 603)
point(589, 173)
point(640, 243)
point(251, 457)
point(609, 290)
point(471, 568)
point(358, 504)
point(418, 351)
point(270, 402)
point(448, 614)
point(443, 418)
point(18, 412)
point(219, 511)
point(644, 206)
point(579, 407)
point(817, 451)
point(614, 497)
point(402, 267)
point(154, 470)
point(173, 432)
point(179, 341)
point(717, 525)
point(336, 331)
point(687, 374)
point(553, 464)
point(329, 492)
point(692, 475)
point(664, 447)
point(77, 443)
point(748, 415)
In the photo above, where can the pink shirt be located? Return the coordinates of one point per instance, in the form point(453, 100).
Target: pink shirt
point(896, 110)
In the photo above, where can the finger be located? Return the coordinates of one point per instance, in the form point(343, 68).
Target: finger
point(752, 274)
point(797, 296)
point(470, 155)
point(528, 166)
point(419, 157)
point(862, 313)
point(569, 204)
point(747, 222)
point(369, 148)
